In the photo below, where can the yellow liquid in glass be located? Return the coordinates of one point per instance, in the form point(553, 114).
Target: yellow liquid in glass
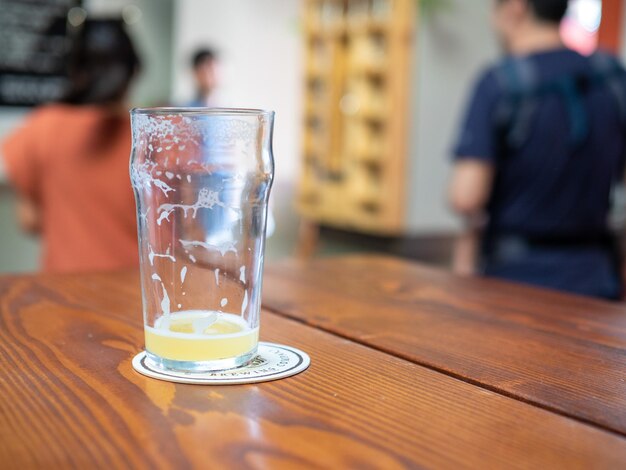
point(200, 336)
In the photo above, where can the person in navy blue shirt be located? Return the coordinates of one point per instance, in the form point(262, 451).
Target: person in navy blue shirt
point(539, 152)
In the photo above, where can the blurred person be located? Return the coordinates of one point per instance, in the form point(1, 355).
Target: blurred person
point(69, 160)
point(204, 64)
point(540, 149)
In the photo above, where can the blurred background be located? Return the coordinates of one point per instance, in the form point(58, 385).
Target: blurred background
point(367, 93)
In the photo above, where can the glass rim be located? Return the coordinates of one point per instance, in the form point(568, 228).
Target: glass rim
point(206, 111)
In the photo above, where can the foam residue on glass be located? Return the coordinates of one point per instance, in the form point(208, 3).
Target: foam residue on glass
point(165, 302)
point(223, 248)
point(141, 178)
point(152, 255)
point(206, 200)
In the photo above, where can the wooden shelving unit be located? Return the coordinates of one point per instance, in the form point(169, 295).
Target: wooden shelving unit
point(358, 55)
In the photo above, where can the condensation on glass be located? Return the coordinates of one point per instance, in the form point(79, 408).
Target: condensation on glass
point(202, 179)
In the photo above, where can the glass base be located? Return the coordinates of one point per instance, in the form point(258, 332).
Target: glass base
point(201, 366)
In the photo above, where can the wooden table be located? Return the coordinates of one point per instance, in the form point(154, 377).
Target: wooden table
point(411, 367)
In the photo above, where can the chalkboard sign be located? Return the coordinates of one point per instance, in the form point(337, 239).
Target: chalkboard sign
point(33, 50)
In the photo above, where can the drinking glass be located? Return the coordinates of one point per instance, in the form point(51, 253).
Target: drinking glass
point(202, 179)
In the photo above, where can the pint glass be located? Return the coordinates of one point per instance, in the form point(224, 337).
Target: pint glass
point(202, 179)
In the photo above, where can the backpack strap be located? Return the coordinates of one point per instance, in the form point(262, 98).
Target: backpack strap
point(518, 78)
point(607, 69)
point(572, 88)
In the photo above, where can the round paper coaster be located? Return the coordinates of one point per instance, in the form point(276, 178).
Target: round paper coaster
point(273, 362)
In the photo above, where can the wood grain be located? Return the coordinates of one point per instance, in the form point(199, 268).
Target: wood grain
point(565, 353)
point(71, 399)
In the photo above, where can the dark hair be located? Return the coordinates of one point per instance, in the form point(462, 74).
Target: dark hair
point(101, 63)
point(202, 55)
point(551, 11)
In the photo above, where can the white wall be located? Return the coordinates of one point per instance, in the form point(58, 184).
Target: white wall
point(453, 44)
point(259, 45)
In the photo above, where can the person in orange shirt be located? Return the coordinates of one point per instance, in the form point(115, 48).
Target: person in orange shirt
point(69, 160)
